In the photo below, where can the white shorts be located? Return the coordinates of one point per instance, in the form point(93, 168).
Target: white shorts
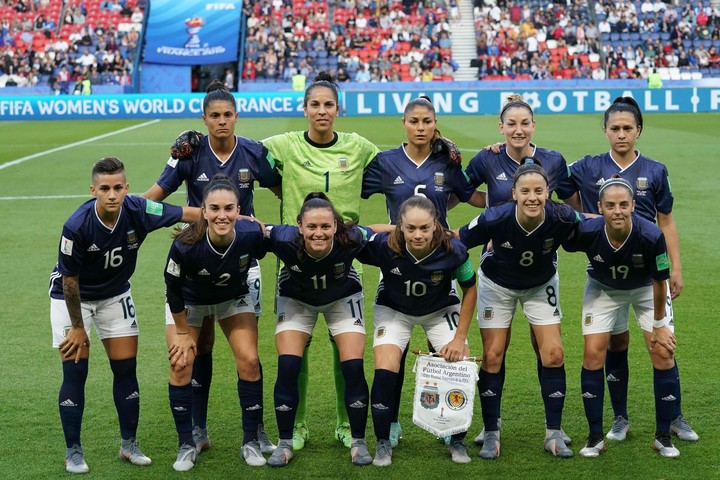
point(496, 304)
point(197, 314)
point(254, 284)
point(394, 328)
point(342, 316)
point(607, 309)
point(113, 318)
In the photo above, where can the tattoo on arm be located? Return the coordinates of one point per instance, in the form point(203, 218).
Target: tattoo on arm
point(71, 291)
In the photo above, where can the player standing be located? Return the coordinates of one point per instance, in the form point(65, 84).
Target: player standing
point(318, 277)
point(206, 277)
point(628, 266)
point(195, 163)
point(496, 166)
point(90, 286)
point(427, 165)
point(623, 125)
point(419, 261)
point(522, 266)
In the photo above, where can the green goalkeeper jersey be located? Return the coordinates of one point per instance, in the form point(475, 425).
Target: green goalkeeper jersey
point(335, 168)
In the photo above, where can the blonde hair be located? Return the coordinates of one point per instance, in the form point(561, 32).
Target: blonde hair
point(515, 101)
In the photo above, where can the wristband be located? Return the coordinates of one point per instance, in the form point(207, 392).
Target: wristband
point(659, 323)
point(182, 333)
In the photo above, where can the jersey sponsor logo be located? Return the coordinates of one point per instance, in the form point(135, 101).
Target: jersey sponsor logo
point(195, 383)
point(244, 175)
point(343, 163)
point(506, 245)
point(173, 268)
point(638, 260)
point(456, 399)
point(66, 246)
point(380, 332)
point(244, 261)
point(203, 272)
point(172, 162)
point(202, 178)
point(398, 181)
point(488, 313)
point(588, 319)
point(306, 163)
point(502, 176)
point(396, 271)
point(439, 178)
point(153, 208)
point(662, 262)
point(430, 396)
point(436, 277)
point(641, 183)
point(598, 258)
point(600, 182)
point(295, 268)
point(93, 248)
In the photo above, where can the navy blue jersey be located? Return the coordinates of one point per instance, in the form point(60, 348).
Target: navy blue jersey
point(249, 162)
point(641, 258)
point(648, 177)
point(394, 174)
point(520, 259)
point(418, 287)
point(315, 281)
point(496, 170)
point(200, 275)
point(104, 258)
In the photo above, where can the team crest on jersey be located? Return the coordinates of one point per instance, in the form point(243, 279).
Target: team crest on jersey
point(244, 261)
point(380, 332)
point(456, 399)
point(131, 238)
point(430, 398)
point(548, 244)
point(588, 319)
point(638, 260)
point(641, 183)
point(488, 313)
point(436, 277)
point(339, 270)
point(280, 318)
point(343, 163)
point(439, 178)
point(244, 175)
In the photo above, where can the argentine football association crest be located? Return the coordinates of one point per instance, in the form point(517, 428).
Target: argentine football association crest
point(194, 25)
point(244, 261)
point(588, 319)
point(488, 313)
point(456, 399)
point(380, 332)
point(430, 397)
point(548, 243)
point(638, 260)
point(641, 183)
point(280, 318)
point(339, 270)
point(436, 277)
point(131, 237)
point(244, 175)
point(439, 178)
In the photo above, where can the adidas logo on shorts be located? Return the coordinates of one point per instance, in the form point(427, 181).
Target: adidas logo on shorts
point(358, 323)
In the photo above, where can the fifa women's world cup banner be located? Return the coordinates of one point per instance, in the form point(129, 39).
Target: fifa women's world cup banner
point(444, 395)
point(192, 32)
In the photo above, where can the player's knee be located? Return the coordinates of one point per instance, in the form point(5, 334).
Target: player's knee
point(492, 360)
point(554, 356)
point(661, 357)
point(180, 375)
point(248, 367)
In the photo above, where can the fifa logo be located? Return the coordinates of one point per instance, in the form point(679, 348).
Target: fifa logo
point(194, 25)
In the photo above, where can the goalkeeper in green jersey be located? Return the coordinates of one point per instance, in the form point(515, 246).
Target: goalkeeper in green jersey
point(321, 159)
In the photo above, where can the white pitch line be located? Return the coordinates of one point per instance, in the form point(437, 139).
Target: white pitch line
point(71, 145)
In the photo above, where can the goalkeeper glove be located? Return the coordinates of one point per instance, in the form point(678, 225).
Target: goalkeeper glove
point(443, 145)
point(185, 144)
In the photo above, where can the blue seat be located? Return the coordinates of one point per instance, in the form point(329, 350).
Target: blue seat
point(634, 36)
point(322, 54)
point(687, 44)
point(624, 36)
point(614, 36)
point(664, 36)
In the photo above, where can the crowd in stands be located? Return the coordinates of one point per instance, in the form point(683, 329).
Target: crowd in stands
point(69, 45)
point(364, 41)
